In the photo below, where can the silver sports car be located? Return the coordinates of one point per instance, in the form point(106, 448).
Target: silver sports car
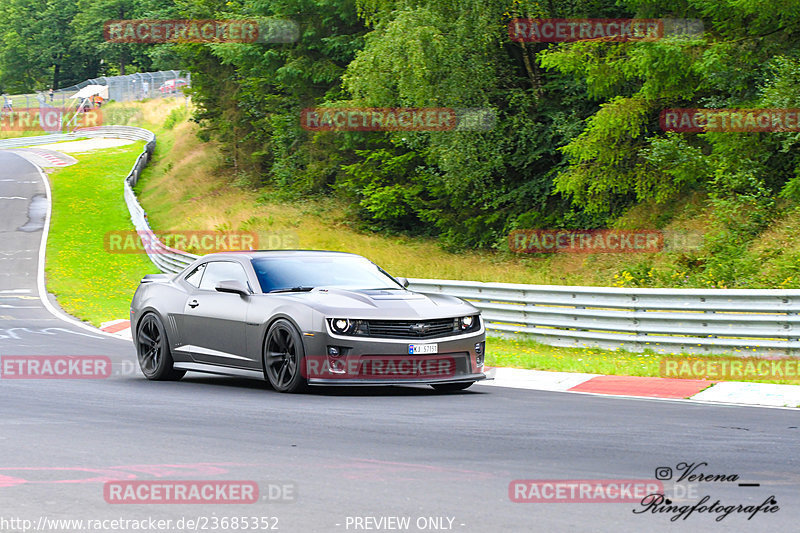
point(303, 318)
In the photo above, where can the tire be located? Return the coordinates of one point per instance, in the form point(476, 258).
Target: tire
point(153, 352)
point(452, 387)
point(283, 357)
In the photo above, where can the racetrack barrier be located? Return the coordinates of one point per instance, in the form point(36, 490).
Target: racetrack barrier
point(746, 322)
point(168, 260)
point(742, 322)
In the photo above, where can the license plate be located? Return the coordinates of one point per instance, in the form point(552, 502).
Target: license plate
point(422, 349)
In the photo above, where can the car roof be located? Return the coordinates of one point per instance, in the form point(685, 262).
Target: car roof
point(256, 254)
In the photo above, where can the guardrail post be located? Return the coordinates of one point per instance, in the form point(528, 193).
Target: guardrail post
point(707, 350)
point(790, 352)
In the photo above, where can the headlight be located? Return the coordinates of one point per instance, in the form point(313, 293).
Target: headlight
point(346, 326)
point(466, 322)
point(341, 325)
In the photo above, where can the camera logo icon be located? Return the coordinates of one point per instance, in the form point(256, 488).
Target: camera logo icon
point(663, 473)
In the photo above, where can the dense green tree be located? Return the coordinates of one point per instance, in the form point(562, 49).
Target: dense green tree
point(474, 186)
point(39, 48)
point(250, 95)
point(121, 58)
point(57, 43)
point(746, 57)
point(576, 139)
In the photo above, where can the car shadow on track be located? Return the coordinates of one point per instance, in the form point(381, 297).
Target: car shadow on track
point(339, 391)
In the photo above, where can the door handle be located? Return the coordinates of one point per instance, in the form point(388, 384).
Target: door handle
point(193, 304)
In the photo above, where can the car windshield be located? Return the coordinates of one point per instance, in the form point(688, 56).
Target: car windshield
point(303, 273)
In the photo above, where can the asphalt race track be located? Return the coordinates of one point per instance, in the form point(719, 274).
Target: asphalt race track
point(344, 459)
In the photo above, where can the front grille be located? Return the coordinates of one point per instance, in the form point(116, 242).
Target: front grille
point(369, 365)
point(412, 329)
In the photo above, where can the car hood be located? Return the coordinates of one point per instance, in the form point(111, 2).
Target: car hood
point(383, 304)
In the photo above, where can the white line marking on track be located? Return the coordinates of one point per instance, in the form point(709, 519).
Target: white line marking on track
point(40, 274)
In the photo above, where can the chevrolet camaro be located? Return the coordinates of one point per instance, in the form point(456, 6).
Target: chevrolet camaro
point(301, 318)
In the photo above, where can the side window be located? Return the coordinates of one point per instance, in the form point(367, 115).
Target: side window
point(193, 278)
point(217, 271)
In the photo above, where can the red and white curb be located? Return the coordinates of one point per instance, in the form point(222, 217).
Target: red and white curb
point(698, 390)
point(45, 158)
point(120, 328)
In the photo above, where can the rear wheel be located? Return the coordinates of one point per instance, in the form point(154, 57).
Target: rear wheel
point(283, 357)
point(452, 387)
point(153, 351)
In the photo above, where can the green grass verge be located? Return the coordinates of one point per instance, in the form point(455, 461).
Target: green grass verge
point(97, 286)
point(89, 282)
point(527, 354)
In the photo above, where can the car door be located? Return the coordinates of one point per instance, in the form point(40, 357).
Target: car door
point(213, 323)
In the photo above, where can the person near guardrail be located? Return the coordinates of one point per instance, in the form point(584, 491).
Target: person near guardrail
point(7, 103)
point(51, 93)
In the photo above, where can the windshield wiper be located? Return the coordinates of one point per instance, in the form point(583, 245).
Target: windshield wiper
point(293, 289)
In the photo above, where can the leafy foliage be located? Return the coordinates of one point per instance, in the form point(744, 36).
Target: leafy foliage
point(57, 43)
point(576, 142)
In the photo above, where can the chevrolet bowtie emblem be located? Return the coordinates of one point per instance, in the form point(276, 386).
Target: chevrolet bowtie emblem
point(420, 329)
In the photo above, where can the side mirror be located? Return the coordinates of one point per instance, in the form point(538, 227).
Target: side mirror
point(403, 282)
point(233, 287)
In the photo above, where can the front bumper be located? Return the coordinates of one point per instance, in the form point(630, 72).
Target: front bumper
point(379, 361)
point(377, 382)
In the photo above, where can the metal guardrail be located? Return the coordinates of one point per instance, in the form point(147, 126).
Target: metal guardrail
point(34, 140)
point(738, 321)
point(708, 321)
point(167, 259)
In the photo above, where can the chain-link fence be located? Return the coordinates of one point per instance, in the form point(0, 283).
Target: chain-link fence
point(120, 88)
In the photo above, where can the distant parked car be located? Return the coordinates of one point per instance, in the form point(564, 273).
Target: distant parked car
point(173, 86)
